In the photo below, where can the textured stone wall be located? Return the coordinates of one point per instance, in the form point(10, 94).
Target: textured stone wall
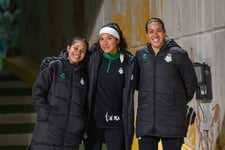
point(197, 25)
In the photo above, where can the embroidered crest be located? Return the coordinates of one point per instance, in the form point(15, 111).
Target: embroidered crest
point(63, 75)
point(121, 71)
point(168, 57)
point(82, 81)
point(144, 56)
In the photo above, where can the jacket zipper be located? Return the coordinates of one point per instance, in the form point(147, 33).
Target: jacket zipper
point(68, 112)
point(154, 92)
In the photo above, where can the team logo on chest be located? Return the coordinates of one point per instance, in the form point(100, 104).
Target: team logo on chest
point(121, 71)
point(82, 81)
point(62, 75)
point(144, 56)
point(168, 58)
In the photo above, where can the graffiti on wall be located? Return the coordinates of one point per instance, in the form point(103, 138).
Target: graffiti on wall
point(132, 17)
point(214, 137)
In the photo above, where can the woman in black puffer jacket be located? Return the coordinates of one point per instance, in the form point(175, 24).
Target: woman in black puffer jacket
point(167, 83)
point(112, 74)
point(58, 95)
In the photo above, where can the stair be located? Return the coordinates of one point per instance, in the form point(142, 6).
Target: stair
point(24, 68)
point(17, 115)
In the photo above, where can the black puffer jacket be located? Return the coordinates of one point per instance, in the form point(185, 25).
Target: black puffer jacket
point(59, 95)
point(167, 83)
point(128, 92)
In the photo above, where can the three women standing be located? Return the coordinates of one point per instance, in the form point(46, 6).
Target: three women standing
point(166, 83)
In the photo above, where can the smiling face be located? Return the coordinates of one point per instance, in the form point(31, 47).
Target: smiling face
point(76, 51)
point(156, 35)
point(108, 43)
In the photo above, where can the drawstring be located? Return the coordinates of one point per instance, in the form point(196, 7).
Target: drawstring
point(110, 57)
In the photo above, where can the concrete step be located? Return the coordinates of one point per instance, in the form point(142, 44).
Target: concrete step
point(25, 108)
point(17, 114)
point(6, 76)
point(15, 100)
point(24, 68)
point(14, 88)
point(16, 139)
point(17, 118)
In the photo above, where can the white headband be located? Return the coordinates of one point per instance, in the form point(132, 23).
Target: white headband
point(111, 31)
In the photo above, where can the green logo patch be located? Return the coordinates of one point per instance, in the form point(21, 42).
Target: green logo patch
point(144, 56)
point(63, 75)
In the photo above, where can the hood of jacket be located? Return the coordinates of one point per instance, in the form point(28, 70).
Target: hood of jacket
point(62, 56)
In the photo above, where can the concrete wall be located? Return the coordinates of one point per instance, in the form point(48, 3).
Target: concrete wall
point(48, 24)
point(197, 25)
